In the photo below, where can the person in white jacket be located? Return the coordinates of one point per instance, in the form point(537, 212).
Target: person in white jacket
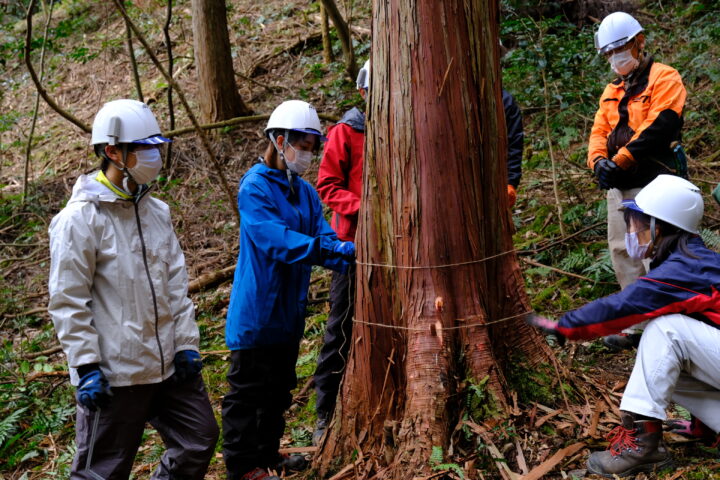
point(118, 300)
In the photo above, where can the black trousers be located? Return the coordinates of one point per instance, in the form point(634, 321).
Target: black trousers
point(180, 412)
point(336, 344)
point(261, 380)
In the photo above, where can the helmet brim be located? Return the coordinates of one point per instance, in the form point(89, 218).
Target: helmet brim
point(311, 131)
point(630, 203)
point(616, 44)
point(154, 140)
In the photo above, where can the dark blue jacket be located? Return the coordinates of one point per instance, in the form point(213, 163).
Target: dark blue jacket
point(680, 284)
point(281, 236)
point(515, 135)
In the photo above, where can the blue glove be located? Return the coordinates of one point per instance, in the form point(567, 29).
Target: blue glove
point(345, 250)
point(187, 365)
point(606, 172)
point(94, 390)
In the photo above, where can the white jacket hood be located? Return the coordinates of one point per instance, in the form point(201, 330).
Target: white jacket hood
point(101, 299)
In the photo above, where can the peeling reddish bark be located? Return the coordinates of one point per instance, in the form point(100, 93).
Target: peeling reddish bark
point(435, 196)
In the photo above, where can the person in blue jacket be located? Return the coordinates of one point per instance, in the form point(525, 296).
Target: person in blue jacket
point(282, 235)
point(677, 359)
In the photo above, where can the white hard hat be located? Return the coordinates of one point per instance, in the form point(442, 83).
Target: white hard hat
point(363, 78)
point(295, 115)
point(126, 121)
point(671, 199)
point(616, 30)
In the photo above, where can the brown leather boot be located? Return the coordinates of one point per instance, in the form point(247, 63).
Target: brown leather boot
point(635, 446)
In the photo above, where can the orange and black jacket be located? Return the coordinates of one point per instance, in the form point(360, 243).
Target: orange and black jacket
point(637, 120)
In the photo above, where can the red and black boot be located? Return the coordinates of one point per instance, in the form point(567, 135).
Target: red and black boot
point(635, 446)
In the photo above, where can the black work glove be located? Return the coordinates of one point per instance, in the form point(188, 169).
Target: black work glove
point(546, 326)
point(187, 365)
point(606, 172)
point(93, 391)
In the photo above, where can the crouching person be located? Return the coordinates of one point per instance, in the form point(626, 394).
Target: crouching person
point(118, 300)
point(677, 359)
point(282, 235)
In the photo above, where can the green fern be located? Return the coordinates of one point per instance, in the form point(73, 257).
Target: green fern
point(9, 424)
point(711, 239)
point(436, 457)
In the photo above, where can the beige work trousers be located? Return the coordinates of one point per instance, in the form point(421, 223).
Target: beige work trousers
point(627, 269)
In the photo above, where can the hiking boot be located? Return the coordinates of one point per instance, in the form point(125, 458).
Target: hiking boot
point(622, 341)
point(259, 474)
point(320, 428)
point(694, 429)
point(635, 446)
point(291, 463)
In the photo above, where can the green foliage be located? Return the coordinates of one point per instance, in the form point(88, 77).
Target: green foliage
point(532, 385)
point(9, 425)
point(436, 462)
point(479, 400)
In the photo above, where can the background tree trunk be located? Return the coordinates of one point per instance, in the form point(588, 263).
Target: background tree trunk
point(218, 92)
point(433, 273)
point(344, 35)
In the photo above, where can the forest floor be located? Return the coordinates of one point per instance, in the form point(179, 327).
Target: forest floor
point(560, 239)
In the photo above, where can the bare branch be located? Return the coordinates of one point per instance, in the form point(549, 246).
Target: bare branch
point(33, 75)
point(171, 106)
point(235, 121)
point(193, 119)
point(28, 147)
point(133, 62)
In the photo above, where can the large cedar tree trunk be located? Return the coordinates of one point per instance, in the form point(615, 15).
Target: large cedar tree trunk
point(217, 90)
point(434, 225)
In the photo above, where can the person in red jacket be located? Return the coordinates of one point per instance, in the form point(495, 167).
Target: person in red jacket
point(340, 186)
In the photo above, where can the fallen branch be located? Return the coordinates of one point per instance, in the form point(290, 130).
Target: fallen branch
point(235, 121)
point(291, 450)
point(33, 75)
point(299, 45)
point(554, 243)
point(201, 133)
point(44, 353)
point(38, 375)
point(545, 467)
point(495, 453)
point(215, 352)
point(569, 274)
point(32, 311)
point(208, 279)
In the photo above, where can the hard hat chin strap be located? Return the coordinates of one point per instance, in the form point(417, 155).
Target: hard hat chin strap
point(126, 173)
point(652, 229)
point(281, 153)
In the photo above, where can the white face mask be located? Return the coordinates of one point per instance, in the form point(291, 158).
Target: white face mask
point(634, 249)
point(623, 62)
point(147, 166)
point(302, 160)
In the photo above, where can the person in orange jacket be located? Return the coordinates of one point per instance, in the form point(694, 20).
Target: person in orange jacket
point(340, 186)
point(639, 117)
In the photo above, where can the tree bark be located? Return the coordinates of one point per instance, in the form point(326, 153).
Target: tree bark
point(440, 294)
point(217, 92)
